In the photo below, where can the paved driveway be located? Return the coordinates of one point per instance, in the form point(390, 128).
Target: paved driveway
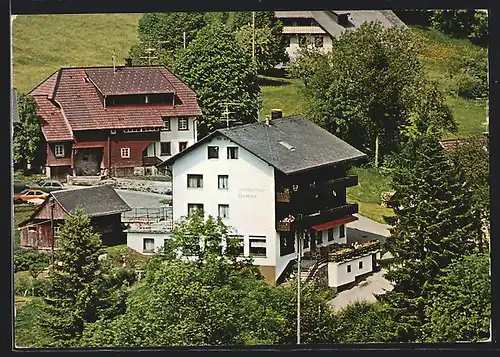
point(137, 199)
point(362, 230)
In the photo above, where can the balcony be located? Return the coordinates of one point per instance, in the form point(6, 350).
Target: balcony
point(283, 226)
point(340, 252)
point(282, 196)
point(324, 216)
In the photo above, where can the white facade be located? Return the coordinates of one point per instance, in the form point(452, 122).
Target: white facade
point(249, 199)
point(249, 195)
point(342, 273)
point(141, 241)
point(294, 46)
point(174, 138)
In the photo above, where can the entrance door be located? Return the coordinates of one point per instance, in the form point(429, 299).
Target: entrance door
point(88, 161)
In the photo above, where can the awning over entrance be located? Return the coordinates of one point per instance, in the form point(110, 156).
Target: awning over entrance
point(336, 223)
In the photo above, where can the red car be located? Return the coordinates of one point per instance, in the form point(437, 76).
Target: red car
point(30, 196)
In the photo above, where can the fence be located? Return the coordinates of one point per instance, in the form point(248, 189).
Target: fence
point(149, 214)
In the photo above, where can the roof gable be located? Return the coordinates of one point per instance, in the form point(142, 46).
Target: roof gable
point(291, 144)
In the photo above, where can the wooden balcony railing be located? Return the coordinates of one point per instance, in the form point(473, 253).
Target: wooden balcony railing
point(283, 226)
point(283, 196)
point(324, 216)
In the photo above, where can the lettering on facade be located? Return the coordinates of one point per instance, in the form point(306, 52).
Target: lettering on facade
point(249, 192)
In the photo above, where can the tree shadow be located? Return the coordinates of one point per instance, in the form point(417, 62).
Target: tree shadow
point(267, 81)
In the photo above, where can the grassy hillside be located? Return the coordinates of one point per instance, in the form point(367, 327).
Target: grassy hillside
point(43, 43)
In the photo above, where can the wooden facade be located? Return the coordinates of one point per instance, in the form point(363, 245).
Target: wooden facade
point(41, 232)
point(94, 151)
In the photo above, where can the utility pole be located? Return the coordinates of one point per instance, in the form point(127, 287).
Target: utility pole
point(253, 36)
point(113, 59)
point(299, 251)
point(52, 204)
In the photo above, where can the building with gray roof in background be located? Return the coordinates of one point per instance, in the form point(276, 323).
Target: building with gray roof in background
point(318, 28)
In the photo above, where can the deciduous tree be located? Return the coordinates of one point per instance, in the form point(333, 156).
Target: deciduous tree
point(459, 305)
point(27, 137)
point(218, 69)
point(369, 85)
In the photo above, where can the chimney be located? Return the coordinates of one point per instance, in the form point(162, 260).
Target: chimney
point(128, 62)
point(276, 113)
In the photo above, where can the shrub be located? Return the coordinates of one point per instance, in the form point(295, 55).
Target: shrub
point(469, 74)
point(31, 287)
point(23, 260)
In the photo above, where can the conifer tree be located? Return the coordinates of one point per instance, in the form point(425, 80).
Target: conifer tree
point(434, 223)
point(82, 288)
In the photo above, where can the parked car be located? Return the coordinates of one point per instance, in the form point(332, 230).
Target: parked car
point(47, 185)
point(30, 196)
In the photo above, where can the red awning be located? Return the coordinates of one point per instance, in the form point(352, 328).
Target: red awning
point(336, 223)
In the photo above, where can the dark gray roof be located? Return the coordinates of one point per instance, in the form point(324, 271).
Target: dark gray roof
point(327, 19)
point(96, 200)
point(291, 144)
point(14, 111)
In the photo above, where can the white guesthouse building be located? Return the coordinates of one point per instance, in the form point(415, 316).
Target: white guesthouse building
point(254, 176)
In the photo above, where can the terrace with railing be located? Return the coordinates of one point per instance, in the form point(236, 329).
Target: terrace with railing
point(342, 252)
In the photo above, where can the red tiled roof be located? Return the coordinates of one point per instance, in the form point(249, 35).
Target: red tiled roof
point(130, 80)
point(54, 127)
point(451, 144)
point(81, 104)
point(46, 87)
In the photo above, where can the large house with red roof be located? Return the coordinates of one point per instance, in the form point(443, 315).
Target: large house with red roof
point(114, 120)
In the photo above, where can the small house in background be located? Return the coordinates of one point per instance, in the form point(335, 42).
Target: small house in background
point(317, 29)
point(101, 203)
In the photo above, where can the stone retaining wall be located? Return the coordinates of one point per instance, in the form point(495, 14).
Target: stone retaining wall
point(160, 187)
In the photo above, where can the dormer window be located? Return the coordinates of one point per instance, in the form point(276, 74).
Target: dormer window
point(166, 121)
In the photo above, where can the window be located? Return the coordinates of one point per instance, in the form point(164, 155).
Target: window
point(319, 236)
point(330, 234)
point(182, 124)
point(258, 246)
point(57, 231)
point(349, 268)
point(318, 41)
point(223, 181)
point(166, 121)
point(193, 207)
point(125, 153)
point(287, 245)
point(342, 231)
point(148, 245)
point(224, 211)
point(59, 150)
point(194, 181)
point(360, 265)
point(306, 241)
point(213, 152)
point(236, 245)
point(182, 145)
point(165, 148)
point(232, 152)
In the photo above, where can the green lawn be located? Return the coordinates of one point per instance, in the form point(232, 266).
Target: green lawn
point(27, 332)
point(281, 93)
point(22, 212)
point(43, 43)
